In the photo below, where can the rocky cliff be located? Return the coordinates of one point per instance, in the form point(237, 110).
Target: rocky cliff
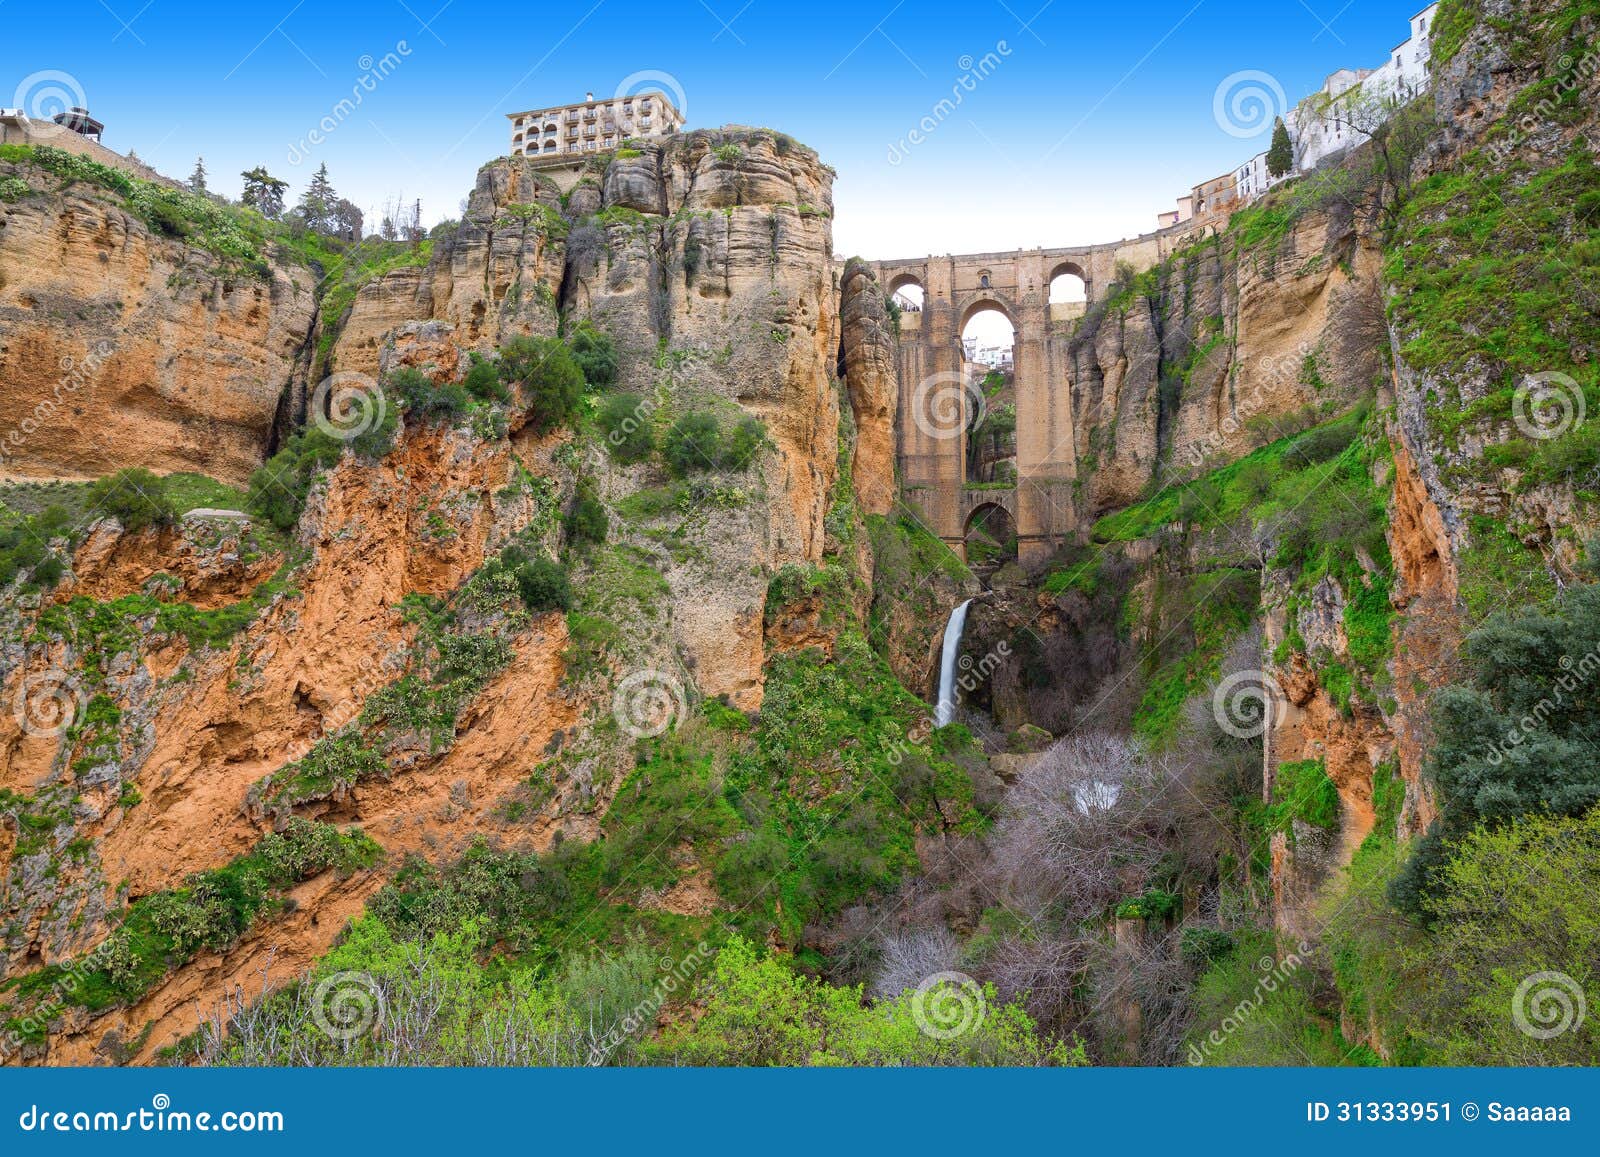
point(122, 345)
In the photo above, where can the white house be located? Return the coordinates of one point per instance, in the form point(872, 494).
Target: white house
point(1316, 125)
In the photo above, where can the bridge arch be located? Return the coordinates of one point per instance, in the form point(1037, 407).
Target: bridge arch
point(989, 530)
point(1068, 283)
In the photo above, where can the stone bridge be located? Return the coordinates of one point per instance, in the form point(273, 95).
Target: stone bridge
point(937, 389)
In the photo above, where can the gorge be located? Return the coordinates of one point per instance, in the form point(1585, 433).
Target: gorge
point(584, 586)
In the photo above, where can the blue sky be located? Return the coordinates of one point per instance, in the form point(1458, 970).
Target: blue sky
point(1092, 116)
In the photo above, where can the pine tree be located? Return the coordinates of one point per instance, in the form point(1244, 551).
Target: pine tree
point(1280, 157)
point(318, 202)
point(197, 179)
point(264, 192)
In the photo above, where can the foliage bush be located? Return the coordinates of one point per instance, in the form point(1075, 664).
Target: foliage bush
point(698, 441)
point(279, 487)
point(625, 421)
point(1520, 737)
point(483, 381)
point(134, 497)
point(550, 379)
point(595, 354)
point(587, 521)
point(424, 401)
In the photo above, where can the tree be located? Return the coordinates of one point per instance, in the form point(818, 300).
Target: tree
point(1523, 737)
point(1280, 157)
point(319, 201)
point(134, 497)
point(197, 179)
point(347, 220)
point(263, 192)
point(414, 232)
point(551, 382)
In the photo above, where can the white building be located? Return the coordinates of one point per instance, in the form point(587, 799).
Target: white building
point(593, 126)
point(1322, 125)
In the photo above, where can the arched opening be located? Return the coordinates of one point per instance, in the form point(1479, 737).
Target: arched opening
point(988, 350)
point(1067, 286)
point(991, 536)
point(988, 337)
point(906, 292)
point(905, 303)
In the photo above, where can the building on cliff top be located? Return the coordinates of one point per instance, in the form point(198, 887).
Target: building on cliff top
point(1336, 117)
point(592, 126)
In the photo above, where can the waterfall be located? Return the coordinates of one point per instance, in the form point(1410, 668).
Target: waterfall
point(945, 709)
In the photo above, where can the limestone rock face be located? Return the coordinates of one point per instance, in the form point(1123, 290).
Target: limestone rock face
point(495, 276)
point(1227, 347)
point(867, 349)
point(708, 260)
point(119, 347)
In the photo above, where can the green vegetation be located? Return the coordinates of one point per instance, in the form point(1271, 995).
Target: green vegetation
point(700, 441)
point(625, 421)
point(550, 379)
point(134, 497)
point(1520, 737)
point(209, 912)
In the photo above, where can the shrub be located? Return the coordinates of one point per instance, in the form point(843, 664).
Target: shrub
point(550, 379)
point(423, 400)
point(483, 381)
point(542, 583)
point(626, 423)
point(24, 545)
point(278, 489)
point(596, 355)
point(697, 441)
point(134, 497)
point(587, 521)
